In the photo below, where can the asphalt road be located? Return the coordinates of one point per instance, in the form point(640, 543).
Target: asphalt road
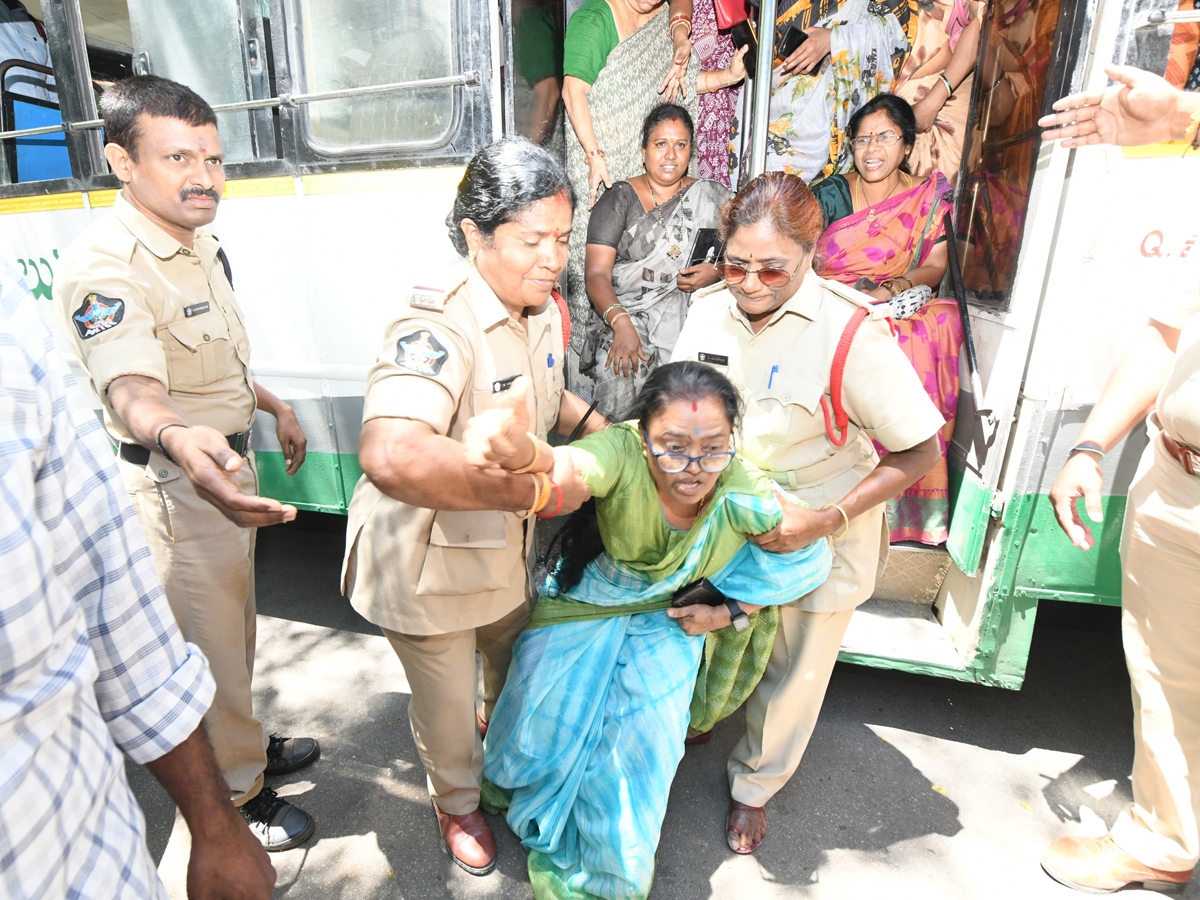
point(912, 786)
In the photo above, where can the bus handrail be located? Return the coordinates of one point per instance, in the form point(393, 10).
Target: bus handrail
point(466, 79)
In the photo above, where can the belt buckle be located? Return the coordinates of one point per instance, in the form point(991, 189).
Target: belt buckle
point(243, 442)
point(1190, 459)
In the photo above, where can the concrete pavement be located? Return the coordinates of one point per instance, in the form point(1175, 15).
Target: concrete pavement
point(911, 787)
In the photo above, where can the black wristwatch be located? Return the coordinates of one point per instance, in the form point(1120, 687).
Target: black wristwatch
point(738, 618)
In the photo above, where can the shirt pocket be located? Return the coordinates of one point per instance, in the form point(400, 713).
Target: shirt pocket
point(554, 390)
point(791, 412)
point(199, 352)
point(467, 554)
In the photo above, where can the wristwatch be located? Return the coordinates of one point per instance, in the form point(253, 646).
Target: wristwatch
point(738, 618)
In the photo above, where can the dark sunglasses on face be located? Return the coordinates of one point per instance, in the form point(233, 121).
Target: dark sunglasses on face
point(769, 275)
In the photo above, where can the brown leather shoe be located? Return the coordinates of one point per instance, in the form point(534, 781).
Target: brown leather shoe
point(1099, 866)
point(468, 840)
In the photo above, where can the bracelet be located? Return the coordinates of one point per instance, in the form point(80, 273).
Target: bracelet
point(158, 440)
point(680, 20)
point(587, 157)
point(537, 454)
point(558, 508)
point(610, 309)
point(889, 285)
point(1088, 448)
point(618, 315)
point(537, 496)
point(1191, 134)
point(946, 82)
point(845, 518)
point(905, 278)
point(546, 486)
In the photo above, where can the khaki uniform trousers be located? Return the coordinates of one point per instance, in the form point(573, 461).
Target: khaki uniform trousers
point(444, 680)
point(1160, 551)
point(206, 565)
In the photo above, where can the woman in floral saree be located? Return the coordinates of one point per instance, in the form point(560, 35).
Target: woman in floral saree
point(585, 738)
point(885, 233)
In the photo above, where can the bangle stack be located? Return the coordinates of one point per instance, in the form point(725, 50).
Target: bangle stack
point(677, 19)
point(616, 306)
point(558, 507)
point(543, 487)
point(587, 157)
point(537, 455)
point(845, 518)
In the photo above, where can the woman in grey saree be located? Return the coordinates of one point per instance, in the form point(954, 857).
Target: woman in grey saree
point(640, 241)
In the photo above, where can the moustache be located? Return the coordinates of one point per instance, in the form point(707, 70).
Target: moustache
point(199, 192)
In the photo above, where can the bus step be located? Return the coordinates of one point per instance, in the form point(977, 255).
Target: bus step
point(900, 630)
point(914, 573)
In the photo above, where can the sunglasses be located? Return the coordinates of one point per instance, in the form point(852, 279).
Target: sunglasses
point(769, 275)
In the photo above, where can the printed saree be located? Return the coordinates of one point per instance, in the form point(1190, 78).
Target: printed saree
point(901, 236)
point(644, 279)
point(809, 113)
point(620, 99)
point(587, 734)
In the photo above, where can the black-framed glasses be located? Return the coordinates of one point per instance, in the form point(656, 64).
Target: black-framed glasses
point(770, 276)
point(673, 463)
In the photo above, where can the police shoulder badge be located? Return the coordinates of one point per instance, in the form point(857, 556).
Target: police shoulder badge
point(421, 352)
point(97, 314)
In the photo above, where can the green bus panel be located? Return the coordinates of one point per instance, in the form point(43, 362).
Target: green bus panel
point(324, 483)
point(1050, 567)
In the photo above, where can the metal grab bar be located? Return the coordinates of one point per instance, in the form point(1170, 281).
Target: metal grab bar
point(1162, 17)
point(467, 79)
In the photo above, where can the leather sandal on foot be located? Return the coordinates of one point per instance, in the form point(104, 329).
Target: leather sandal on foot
point(702, 738)
point(741, 817)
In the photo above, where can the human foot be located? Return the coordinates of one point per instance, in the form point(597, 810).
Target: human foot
point(746, 827)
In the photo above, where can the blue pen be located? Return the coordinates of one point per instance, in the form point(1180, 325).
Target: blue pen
point(550, 361)
point(771, 377)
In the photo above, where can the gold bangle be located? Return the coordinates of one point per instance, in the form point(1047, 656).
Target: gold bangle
point(537, 495)
point(547, 490)
point(610, 309)
point(680, 21)
point(1191, 134)
point(537, 454)
point(845, 518)
point(618, 315)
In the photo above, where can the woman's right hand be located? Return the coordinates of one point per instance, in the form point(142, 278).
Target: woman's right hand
point(597, 175)
point(626, 350)
point(799, 527)
point(808, 55)
point(498, 438)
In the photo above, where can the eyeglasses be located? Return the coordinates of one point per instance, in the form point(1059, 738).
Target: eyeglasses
point(887, 139)
point(769, 275)
point(674, 463)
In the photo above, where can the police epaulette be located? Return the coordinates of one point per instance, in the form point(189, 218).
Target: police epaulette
point(709, 289)
point(427, 298)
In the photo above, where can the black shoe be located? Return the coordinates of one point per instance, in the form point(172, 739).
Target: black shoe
point(276, 823)
point(286, 754)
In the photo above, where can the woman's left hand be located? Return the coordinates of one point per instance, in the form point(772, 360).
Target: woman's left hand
point(700, 618)
point(695, 277)
point(926, 111)
point(674, 86)
point(809, 54)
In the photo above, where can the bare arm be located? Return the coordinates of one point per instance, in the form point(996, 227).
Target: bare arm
point(571, 410)
point(962, 64)
point(545, 100)
point(895, 473)
point(227, 861)
point(930, 274)
point(202, 453)
point(287, 428)
point(575, 93)
point(1128, 396)
point(626, 353)
point(673, 86)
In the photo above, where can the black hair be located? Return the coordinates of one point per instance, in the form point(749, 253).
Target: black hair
point(667, 112)
point(501, 180)
point(579, 542)
point(898, 111)
point(123, 104)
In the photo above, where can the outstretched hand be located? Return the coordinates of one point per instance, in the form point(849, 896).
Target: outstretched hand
point(1138, 109)
point(498, 438)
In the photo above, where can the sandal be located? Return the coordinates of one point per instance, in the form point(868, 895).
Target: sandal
point(702, 738)
point(741, 817)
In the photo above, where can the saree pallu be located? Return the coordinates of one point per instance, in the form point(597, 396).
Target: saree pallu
point(644, 279)
point(806, 134)
point(620, 99)
point(585, 739)
point(901, 237)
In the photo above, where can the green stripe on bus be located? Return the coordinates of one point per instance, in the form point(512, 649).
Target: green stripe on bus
point(1050, 567)
point(324, 483)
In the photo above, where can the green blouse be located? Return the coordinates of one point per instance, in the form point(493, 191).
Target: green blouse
point(591, 36)
point(833, 196)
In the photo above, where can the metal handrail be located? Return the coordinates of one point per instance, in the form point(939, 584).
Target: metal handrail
point(1162, 17)
point(467, 79)
point(760, 103)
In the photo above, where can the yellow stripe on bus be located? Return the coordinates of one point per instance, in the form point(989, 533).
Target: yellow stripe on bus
point(389, 180)
point(279, 186)
point(101, 199)
point(43, 203)
point(1165, 148)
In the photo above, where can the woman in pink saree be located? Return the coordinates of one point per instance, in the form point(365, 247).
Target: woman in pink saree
point(885, 234)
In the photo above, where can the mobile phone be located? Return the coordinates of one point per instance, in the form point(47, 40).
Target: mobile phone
point(743, 36)
point(702, 591)
point(503, 384)
point(790, 40)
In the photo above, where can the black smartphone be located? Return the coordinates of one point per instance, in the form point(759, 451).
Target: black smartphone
point(503, 384)
point(701, 591)
point(706, 248)
point(790, 40)
point(743, 36)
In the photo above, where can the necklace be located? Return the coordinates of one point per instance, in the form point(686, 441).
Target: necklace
point(699, 509)
point(861, 195)
point(673, 251)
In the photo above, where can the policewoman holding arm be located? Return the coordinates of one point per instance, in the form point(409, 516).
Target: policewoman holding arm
point(811, 413)
point(437, 550)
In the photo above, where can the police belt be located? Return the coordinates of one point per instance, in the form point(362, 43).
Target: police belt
point(138, 455)
point(819, 472)
point(1182, 454)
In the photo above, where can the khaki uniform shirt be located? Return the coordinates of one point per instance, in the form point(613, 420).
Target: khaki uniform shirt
point(423, 571)
point(783, 372)
point(1178, 407)
point(134, 301)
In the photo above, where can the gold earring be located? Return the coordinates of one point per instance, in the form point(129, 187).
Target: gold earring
point(471, 259)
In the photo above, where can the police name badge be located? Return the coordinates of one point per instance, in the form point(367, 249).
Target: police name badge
point(432, 299)
point(421, 352)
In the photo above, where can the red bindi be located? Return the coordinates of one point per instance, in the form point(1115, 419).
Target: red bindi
point(695, 406)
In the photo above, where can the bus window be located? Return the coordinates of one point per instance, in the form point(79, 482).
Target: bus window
point(536, 78)
point(29, 98)
point(1004, 143)
point(355, 43)
point(216, 49)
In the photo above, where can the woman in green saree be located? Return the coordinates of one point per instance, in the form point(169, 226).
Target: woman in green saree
point(586, 736)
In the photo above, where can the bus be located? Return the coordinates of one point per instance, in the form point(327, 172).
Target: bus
point(347, 123)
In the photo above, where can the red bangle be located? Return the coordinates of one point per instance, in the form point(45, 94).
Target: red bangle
point(558, 508)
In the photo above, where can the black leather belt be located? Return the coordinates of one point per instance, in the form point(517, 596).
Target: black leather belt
point(138, 455)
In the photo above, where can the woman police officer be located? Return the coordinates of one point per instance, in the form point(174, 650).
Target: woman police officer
point(774, 330)
point(437, 550)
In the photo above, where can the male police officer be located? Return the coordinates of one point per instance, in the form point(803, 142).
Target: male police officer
point(146, 299)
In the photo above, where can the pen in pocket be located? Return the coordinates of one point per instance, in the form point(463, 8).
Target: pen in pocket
point(771, 377)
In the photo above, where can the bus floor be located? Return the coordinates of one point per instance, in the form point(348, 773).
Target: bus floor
point(912, 786)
